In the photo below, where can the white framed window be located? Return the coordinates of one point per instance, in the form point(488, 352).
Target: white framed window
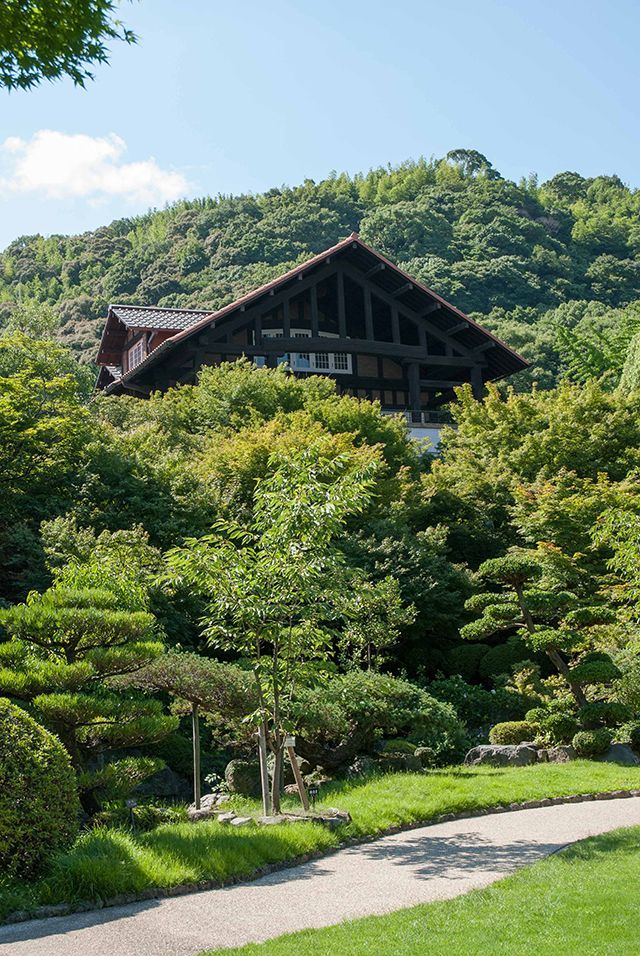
point(136, 354)
point(339, 362)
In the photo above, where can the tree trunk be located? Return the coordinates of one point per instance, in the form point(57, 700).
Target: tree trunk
point(558, 660)
point(264, 769)
point(195, 728)
point(554, 656)
point(277, 777)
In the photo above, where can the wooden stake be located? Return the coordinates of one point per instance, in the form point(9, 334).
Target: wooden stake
point(195, 728)
point(304, 799)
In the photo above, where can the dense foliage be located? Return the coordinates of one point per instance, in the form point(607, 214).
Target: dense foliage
point(39, 810)
point(48, 39)
point(545, 265)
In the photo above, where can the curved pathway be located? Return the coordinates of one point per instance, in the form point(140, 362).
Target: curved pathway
point(416, 866)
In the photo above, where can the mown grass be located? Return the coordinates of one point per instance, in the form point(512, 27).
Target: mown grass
point(582, 900)
point(104, 863)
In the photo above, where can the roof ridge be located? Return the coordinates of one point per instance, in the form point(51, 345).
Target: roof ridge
point(159, 308)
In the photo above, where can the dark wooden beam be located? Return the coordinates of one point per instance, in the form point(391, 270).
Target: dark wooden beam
point(407, 287)
point(413, 375)
point(286, 321)
point(429, 309)
point(368, 312)
point(314, 311)
point(379, 266)
point(342, 316)
point(477, 383)
point(484, 347)
point(395, 324)
point(458, 327)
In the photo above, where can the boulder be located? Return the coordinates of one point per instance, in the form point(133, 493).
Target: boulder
point(226, 817)
point(563, 753)
point(502, 755)
point(243, 777)
point(165, 783)
point(361, 767)
point(241, 821)
point(621, 753)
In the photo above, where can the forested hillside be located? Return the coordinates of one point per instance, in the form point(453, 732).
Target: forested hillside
point(543, 265)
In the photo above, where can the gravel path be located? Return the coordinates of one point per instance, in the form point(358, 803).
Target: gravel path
point(430, 863)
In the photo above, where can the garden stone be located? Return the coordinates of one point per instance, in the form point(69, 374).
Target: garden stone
point(543, 755)
point(561, 754)
point(241, 821)
point(165, 783)
point(271, 820)
point(620, 753)
point(208, 803)
point(243, 777)
point(196, 815)
point(361, 766)
point(502, 755)
point(226, 817)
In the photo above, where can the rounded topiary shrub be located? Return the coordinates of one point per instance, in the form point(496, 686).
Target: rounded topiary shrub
point(398, 746)
point(39, 807)
point(607, 713)
point(592, 743)
point(512, 732)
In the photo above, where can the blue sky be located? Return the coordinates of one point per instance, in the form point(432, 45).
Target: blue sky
point(233, 97)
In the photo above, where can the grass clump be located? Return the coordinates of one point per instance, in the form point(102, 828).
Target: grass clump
point(582, 900)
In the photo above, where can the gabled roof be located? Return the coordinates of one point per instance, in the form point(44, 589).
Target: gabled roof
point(153, 317)
point(445, 317)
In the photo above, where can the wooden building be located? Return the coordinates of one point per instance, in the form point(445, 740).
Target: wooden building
point(348, 313)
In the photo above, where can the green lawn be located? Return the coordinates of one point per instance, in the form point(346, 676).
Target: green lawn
point(107, 862)
point(581, 901)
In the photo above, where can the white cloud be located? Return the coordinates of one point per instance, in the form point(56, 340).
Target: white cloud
point(66, 166)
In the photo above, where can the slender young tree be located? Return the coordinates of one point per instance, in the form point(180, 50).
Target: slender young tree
point(274, 586)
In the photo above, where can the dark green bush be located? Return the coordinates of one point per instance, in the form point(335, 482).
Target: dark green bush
point(503, 658)
point(630, 732)
point(426, 756)
point(603, 713)
point(512, 732)
point(465, 660)
point(349, 714)
point(478, 707)
point(592, 743)
point(39, 807)
point(398, 746)
point(554, 723)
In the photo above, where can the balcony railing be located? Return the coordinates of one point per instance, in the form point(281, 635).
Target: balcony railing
point(432, 418)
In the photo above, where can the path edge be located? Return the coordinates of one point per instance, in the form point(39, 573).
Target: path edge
point(161, 892)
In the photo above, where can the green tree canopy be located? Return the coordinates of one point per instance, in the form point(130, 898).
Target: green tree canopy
point(49, 39)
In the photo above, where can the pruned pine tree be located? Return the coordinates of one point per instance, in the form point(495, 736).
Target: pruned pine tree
point(550, 620)
point(65, 647)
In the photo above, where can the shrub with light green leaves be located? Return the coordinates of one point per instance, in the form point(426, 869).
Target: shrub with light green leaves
point(39, 807)
point(512, 732)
